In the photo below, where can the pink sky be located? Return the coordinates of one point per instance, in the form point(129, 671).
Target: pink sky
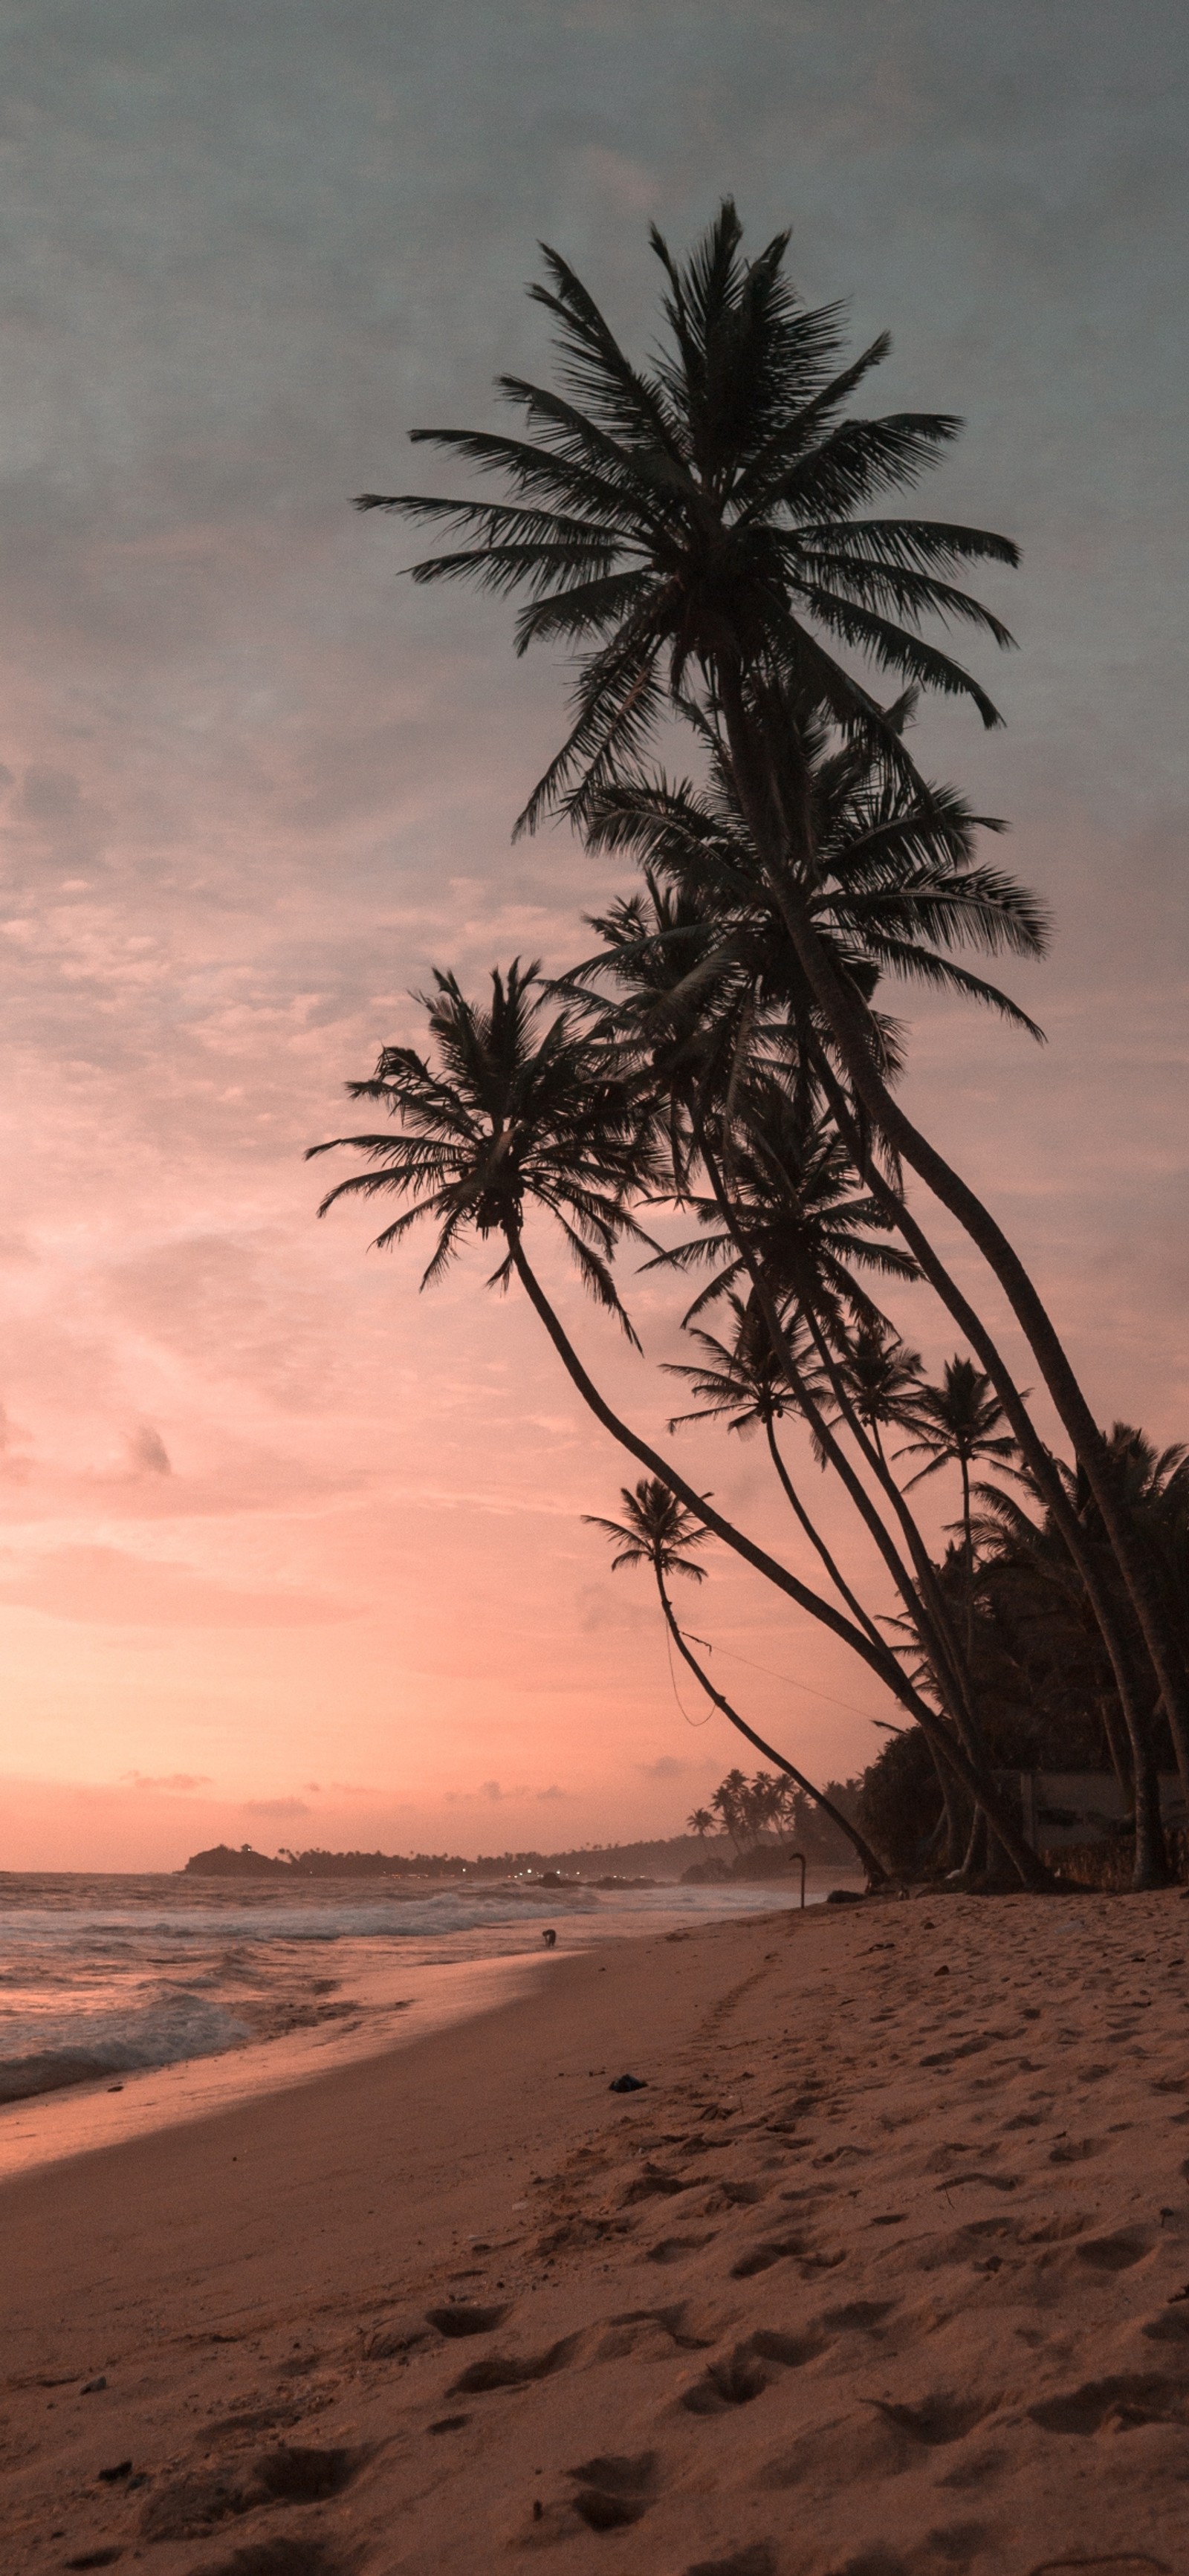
point(290, 1554)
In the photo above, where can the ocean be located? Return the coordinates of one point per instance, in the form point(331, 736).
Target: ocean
point(104, 1977)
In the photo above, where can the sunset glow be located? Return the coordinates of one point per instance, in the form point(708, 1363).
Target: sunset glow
point(291, 1553)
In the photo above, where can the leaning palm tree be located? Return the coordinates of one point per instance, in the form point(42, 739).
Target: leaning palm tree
point(702, 972)
point(707, 990)
point(704, 525)
point(785, 1211)
point(522, 1111)
point(658, 1531)
point(744, 1384)
point(882, 1375)
point(959, 1423)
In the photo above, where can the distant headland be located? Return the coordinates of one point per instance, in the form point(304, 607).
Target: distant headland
point(611, 1864)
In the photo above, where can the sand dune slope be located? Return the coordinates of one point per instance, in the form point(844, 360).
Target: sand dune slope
point(885, 2274)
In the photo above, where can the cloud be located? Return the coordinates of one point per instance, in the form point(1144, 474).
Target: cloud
point(14, 1463)
point(176, 1782)
point(290, 778)
point(107, 1587)
point(279, 1809)
point(553, 1792)
point(148, 1452)
point(50, 795)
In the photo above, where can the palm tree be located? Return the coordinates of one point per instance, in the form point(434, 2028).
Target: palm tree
point(899, 885)
point(705, 965)
point(708, 990)
point(792, 1222)
point(727, 1803)
point(701, 1823)
point(958, 1423)
point(882, 1375)
point(515, 1114)
point(519, 1112)
point(657, 1530)
point(701, 524)
point(743, 1383)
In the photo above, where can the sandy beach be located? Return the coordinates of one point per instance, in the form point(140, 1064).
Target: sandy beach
point(884, 2273)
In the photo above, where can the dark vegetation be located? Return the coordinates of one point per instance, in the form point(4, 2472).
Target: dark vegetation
point(664, 1858)
point(713, 1086)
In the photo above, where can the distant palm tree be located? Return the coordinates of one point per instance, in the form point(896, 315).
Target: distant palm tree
point(727, 1803)
point(659, 1532)
point(703, 525)
point(959, 1423)
point(701, 1823)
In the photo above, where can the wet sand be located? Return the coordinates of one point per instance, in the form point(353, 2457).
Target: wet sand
point(881, 2275)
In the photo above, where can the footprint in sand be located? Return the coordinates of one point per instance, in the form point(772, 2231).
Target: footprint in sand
point(614, 2492)
point(744, 2374)
point(671, 2249)
point(935, 2420)
point(1118, 2403)
point(758, 2560)
point(783, 2249)
point(735, 2381)
point(655, 2332)
point(284, 2557)
point(513, 2370)
point(1115, 2253)
point(191, 2506)
point(653, 2184)
point(461, 2318)
point(1130, 2563)
point(731, 2192)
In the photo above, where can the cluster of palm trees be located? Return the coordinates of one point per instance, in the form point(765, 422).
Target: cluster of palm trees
point(706, 538)
point(757, 1816)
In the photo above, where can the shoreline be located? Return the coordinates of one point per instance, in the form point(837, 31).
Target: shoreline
point(51, 2127)
point(394, 1990)
point(882, 2272)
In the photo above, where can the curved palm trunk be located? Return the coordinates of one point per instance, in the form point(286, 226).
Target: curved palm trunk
point(952, 1820)
point(936, 1638)
point(838, 1580)
point(926, 1573)
point(1119, 1750)
point(877, 1874)
point(968, 1552)
point(850, 1036)
point(978, 1852)
point(1151, 1853)
point(976, 1784)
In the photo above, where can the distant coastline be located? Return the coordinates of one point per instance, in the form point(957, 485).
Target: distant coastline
point(608, 1865)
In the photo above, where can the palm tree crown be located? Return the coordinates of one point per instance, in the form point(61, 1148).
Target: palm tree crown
point(957, 1422)
point(709, 508)
point(806, 1220)
point(518, 1109)
point(656, 1530)
point(894, 884)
